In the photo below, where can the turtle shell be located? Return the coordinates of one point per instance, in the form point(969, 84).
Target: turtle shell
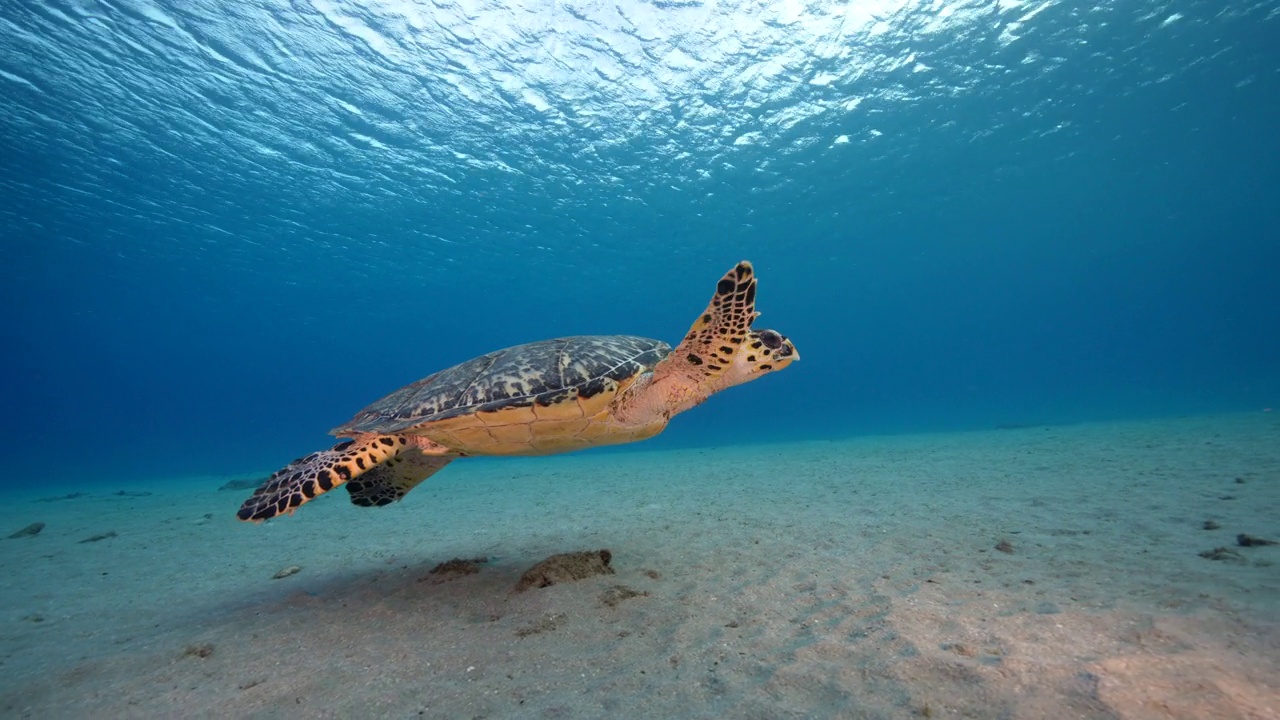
point(541, 374)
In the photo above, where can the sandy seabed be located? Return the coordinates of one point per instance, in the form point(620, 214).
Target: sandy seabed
point(847, 579)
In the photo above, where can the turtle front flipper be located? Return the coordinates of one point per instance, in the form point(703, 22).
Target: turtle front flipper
point(306, 478)
point(721, 347)
point(393, 479)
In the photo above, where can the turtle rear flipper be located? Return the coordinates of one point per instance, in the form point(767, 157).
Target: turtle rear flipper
point(306, 478)
point(393, 479)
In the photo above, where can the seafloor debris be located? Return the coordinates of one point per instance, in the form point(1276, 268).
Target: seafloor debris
point(1224, 554)
point(618, 593)
point(546, 623)
point(29, 531)
point(454, 569)
point(1244, 540)
point(566, 567)
point(202, 650)
point(286, 572)
point(1210, 525)
point(1004, 546)
point(68, 496)
point(99, 537)
point(243, 484)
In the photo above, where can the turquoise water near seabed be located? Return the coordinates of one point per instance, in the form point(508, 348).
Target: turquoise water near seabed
point(229, 226)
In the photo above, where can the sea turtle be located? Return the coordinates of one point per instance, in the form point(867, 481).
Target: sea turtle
point(544, 397)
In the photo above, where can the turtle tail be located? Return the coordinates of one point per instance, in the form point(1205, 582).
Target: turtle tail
point(306, 478)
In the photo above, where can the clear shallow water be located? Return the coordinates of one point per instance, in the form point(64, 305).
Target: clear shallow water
point(228, 226)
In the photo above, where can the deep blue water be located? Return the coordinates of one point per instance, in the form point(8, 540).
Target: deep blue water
point(227, 226)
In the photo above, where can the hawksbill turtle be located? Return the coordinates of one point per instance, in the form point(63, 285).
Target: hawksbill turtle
point(540, 398)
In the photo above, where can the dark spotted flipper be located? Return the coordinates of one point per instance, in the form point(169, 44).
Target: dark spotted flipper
point(724, 327)
point(305, 478)
point(390, 481)
point(721, 346)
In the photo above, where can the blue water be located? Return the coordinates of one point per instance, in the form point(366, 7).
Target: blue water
point(227, 226)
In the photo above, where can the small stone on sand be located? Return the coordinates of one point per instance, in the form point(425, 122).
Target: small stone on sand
point(29, 531)
point(566, 567)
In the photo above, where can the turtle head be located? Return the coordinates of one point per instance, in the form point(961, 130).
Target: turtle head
point(722, 348)
point(776, 349)
point(762, 352)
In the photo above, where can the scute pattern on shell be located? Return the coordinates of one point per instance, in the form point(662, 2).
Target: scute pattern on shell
point(539, 372)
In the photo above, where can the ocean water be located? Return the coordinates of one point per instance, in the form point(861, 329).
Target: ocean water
point(1027, 467)
point(227, 226)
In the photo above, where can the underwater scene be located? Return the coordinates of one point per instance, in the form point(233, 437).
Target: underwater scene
point(592, 359)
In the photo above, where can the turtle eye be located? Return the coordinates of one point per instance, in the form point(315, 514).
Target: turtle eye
point(771, 339)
